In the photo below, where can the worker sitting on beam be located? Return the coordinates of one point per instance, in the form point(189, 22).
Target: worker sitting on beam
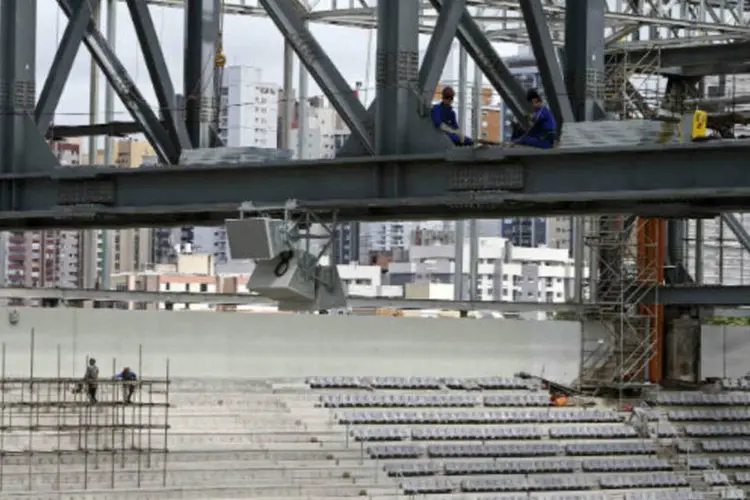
point(444, 118)
point(543, 130)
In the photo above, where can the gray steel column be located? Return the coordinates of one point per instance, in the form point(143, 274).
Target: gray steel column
point(698, 252)
point(302, 113)
point(461, 94)
point(201, 38)
point(109, 116)
point(91, 237)
point(17, 88)
point(397, 73)
point(476, 131)
point(584, 68)
point(287, 111)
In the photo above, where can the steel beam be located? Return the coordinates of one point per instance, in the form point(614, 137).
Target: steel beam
point(287, 17)
point(439, 48)
point(202, 20)
point(112, 129)
point(695, 180)
point(682, 57)
point(734, 225)
point(706, 295)
point(701, 295)
point(546, 62)
point(354, 302)
point(126, 89)
point(159, 72)
point(484, 55)
point(59, 71)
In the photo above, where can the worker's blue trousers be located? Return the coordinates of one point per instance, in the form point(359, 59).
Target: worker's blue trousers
point(456, 139)
point(534, 142)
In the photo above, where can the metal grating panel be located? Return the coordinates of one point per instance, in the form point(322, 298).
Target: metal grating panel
point(86, 192)
point(486, 178)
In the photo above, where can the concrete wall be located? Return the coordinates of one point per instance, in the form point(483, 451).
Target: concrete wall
point(725, 351)
point(239, 345)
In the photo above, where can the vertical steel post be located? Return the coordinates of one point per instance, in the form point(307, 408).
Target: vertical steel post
point(109, 154)
point(287, 110)
point(201, 39)
point(303, 113)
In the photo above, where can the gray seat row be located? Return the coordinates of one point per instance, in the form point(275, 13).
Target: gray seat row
point(737, 384)
point(664, 495)
point(398, 400)
point(374, 382)
point(488, 383)
point(593, 432)
point(621, 448)
point(446, 433)
point(511, 467)
point(494, 450)
point(699, 462)
point(512, 450)
point(535, 466)
point(518, 400)
point(742, 478)
point(733, 494)
point(731, 446)
point(734, 462)
point(715, 478)
point(709, 414)
point(711, 430)
point(701, 398)
point(477, 433)
point(652, 480)
point(625, 465)
point(479, 417)
point(546, 483)
point(531, 483)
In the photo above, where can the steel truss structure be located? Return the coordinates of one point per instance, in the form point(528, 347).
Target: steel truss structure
point(396, 165)
point(52, 438)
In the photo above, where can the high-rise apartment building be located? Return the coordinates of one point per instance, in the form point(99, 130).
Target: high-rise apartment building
point(249, 109)
point(42, 258)
point(248, 117)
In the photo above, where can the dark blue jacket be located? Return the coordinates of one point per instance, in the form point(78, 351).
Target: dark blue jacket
point(544, 126)
point(127, 376)
point(444, 114)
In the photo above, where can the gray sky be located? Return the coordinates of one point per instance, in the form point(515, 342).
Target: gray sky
point(248, 41)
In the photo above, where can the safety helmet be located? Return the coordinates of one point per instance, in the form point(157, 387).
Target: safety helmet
point(532, 94)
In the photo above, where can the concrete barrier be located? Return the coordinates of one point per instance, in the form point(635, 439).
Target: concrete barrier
point(236, 345)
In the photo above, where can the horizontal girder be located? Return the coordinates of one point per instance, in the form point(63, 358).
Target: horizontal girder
point(705, 295)
point(356, 15)
point(691, 180)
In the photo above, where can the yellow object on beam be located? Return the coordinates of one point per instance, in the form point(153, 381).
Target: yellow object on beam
point(700, 124)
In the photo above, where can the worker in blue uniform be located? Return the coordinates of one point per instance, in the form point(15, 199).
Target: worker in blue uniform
point(129, 377)
point(543, 130)
point(444, 119)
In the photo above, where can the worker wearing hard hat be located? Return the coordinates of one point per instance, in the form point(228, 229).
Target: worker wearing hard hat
point(444, 119)
point(543, 130)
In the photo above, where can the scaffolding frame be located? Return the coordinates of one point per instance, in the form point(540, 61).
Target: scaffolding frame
point(624, 272)
point(52, 439)
point(626, 85)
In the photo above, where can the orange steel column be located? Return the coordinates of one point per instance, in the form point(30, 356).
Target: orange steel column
point(651, 246)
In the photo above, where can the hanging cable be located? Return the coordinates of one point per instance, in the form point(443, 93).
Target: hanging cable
point(285, 258)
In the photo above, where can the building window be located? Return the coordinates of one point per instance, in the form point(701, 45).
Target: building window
point(204, 287)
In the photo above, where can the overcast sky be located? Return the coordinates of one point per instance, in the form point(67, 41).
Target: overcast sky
point(248, 41)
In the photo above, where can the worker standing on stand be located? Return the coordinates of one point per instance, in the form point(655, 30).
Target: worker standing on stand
point(543, 131)
point(444, 119)
point(89, 381)
point(129, 377)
